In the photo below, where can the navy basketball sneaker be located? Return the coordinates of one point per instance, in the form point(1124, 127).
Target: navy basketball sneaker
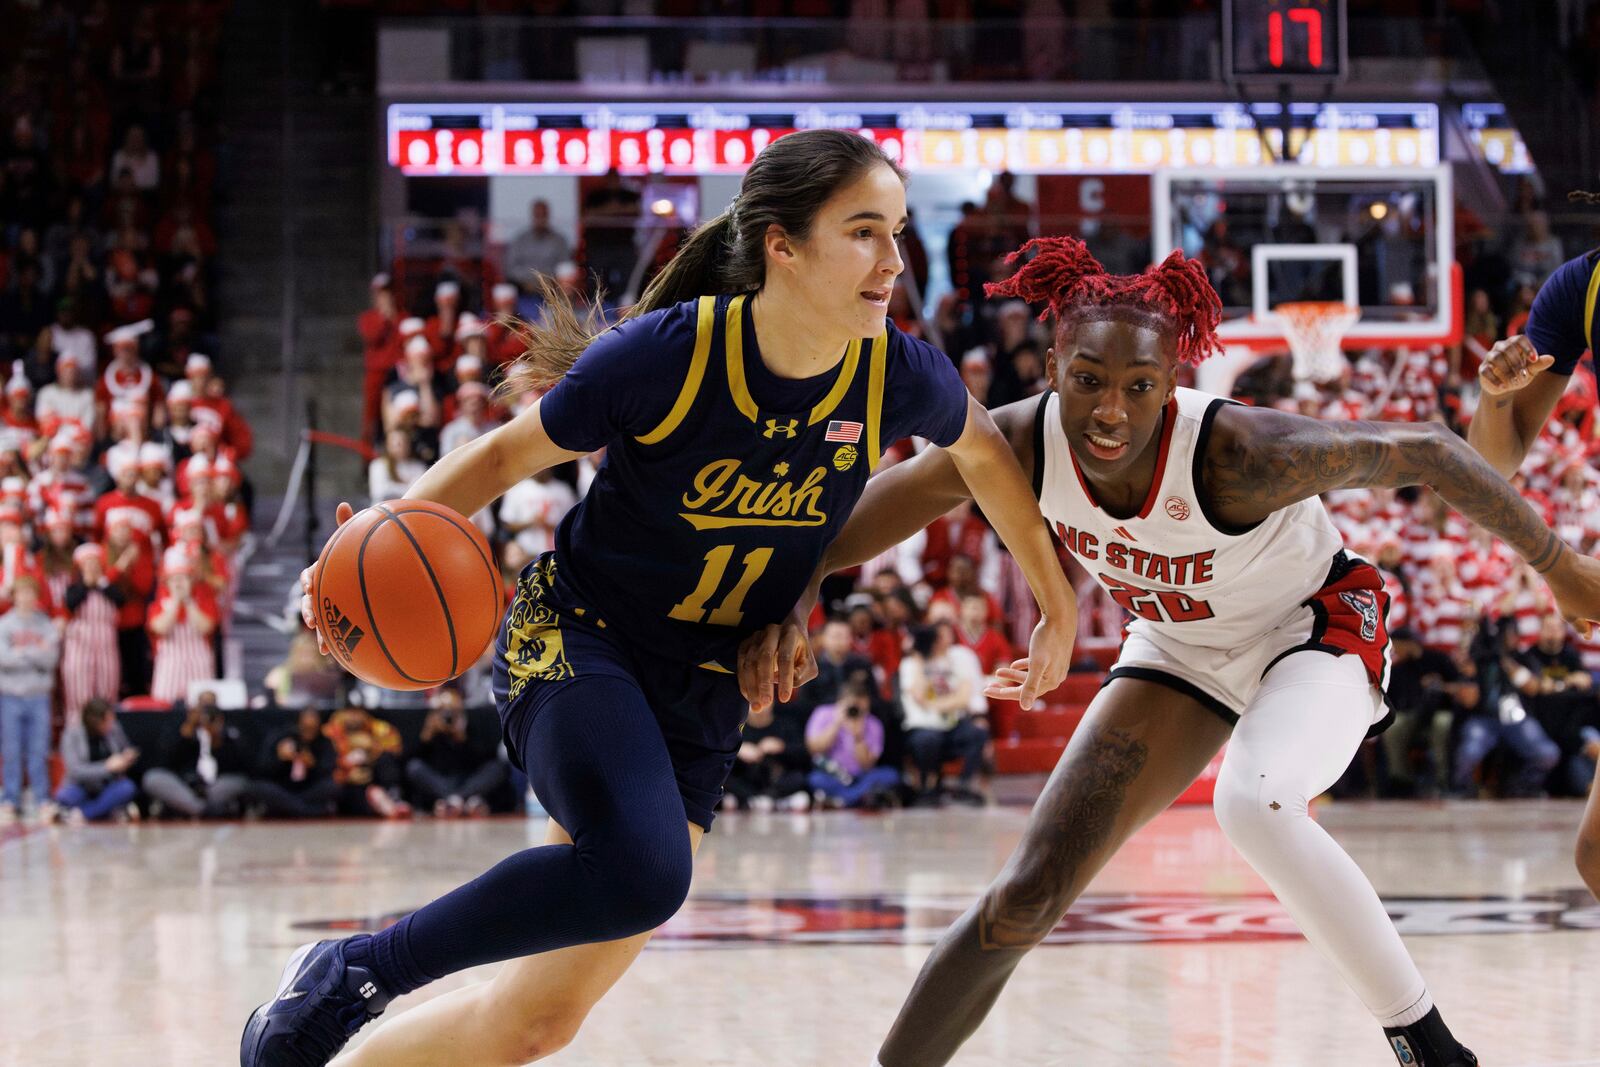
point(1428, 1043)
point(319, 1005)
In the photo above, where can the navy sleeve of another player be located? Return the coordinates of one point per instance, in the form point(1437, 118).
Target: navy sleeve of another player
point(923, 395)
point(1555, 323)
point(624, 383)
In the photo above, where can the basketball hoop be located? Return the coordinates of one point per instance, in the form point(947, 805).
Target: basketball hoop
point(1314, 329)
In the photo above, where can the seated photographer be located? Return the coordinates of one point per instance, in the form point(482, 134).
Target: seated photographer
point(296, 771)
point(1500, 718)
point(772, 763)
point(450, 775)
point(846, 742)
point(202, 769)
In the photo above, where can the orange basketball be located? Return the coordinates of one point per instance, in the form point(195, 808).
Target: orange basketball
point(407, 594)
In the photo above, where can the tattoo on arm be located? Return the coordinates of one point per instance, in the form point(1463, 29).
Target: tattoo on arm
point(1275, 460)
point(1073, 821)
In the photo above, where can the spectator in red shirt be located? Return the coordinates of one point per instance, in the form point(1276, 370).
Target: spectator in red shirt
point(132, 570)
point(211, 394)
point(500, 339)
point(381, 344)
point(975, 630)
point(181, 621)
point(146, 514)
point(440, 329)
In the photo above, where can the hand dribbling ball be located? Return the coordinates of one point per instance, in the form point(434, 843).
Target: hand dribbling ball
point(407, 594)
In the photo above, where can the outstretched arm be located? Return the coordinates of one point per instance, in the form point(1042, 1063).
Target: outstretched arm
point(1261, 461)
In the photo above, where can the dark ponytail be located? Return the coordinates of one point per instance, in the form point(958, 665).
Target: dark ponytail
point(786, 186)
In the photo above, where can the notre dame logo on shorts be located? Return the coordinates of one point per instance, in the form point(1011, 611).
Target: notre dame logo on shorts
point(845, 458)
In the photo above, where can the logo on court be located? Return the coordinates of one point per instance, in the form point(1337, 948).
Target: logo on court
point(1364, 603)
point(344, 634)
point(738, 920)
point(787, 428)
point(1177, 508)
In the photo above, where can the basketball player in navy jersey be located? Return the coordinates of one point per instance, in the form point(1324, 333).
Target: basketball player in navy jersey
point(742, 407)
point(1252, 626)
point(1522, 379)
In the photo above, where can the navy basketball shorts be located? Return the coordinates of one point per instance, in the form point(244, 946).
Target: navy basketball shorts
point(547, 650)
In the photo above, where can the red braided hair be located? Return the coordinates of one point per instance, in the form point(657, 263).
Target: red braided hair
point(1174, 296)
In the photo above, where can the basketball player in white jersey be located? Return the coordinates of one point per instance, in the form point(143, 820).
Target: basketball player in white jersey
point(1252, 625)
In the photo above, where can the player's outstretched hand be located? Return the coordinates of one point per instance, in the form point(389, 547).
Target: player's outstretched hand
point(1511, 365)
point(775, 661)
point(1041, 670)
point(1575, 583)
point(308, 608)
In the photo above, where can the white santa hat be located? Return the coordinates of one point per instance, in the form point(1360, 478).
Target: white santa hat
point(154, 455)
point(177, 560)
point(130, 333)
point(469, 364)
point(180, 392)
point(447, 291)
point(406, 400)
point(468, 326)
point(418, 346)
point(411, 326)
point(504, 293)
point(18, 384)
point(196, 363)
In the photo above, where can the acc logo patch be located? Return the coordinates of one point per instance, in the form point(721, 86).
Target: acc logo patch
point(845, 458)
point(1177, 508)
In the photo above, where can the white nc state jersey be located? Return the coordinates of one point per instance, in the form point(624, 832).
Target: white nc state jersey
point(1171, 566)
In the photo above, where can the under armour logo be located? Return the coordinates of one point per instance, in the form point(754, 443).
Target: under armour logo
point(787, 428)
point(368, 991)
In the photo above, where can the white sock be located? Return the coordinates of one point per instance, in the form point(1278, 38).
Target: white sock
point(1412, 1014)
point(1294, 741)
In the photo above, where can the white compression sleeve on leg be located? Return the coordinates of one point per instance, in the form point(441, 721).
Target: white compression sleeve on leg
point(1294, 741)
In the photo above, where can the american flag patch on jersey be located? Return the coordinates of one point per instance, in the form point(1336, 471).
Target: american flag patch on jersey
point(839, 430)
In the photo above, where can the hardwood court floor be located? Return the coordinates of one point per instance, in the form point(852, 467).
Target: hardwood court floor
point(147, 946)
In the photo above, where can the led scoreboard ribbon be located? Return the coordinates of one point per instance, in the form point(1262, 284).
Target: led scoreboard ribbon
point(722, 138)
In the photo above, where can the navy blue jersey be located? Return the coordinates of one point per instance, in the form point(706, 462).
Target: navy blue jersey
point(1561, 322)
point(723, 484)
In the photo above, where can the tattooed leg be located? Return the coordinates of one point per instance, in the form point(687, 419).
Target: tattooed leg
point(1139, 747)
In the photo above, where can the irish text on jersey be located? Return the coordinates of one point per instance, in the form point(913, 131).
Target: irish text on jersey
point(723, 495)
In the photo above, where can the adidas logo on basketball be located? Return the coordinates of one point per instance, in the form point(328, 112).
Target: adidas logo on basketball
point(344, 634)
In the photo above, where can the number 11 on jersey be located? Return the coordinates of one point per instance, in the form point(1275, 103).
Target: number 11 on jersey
point(692, 608)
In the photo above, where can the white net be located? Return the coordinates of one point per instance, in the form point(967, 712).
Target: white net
point(1314, 329)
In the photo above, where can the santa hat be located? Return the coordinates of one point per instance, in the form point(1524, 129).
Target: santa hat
point(13, 487)
point(87, 551)
point(18, 385)
point(180, 392)
point(447, 291)
point(504, 293)
point(197, 363)
point(154, 455)
point(411, 326)
point(207, 420)
point(62, 443)
point(199, 466)
point(406, 400)
point(223, 467)
point(419, 346)
point(130, 333)
point(469, 325)
point(127, 407)
point(188, 518)
point(177, 560)
point(119, 463)
point(469, 364)
point(380, 280)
